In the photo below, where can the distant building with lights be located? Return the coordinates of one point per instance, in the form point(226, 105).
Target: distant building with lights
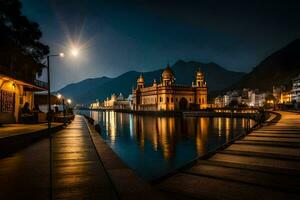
point(114, 102)
point(282, 95)
point(117, 102)
point(167, 95)
point(295, 92)
point(245, 97)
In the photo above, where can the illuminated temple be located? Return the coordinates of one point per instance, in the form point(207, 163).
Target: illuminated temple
point(167, 95)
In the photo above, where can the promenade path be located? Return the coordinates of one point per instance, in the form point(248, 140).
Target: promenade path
point(83, 167)
point(263, 165)
point(8, 130)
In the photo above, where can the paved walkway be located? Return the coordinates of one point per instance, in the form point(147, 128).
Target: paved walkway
point(77, 170)
point(7, 130)
point(84, 167)
point(263, 165)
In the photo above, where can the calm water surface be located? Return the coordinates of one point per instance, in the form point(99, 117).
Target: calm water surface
point(154, 146)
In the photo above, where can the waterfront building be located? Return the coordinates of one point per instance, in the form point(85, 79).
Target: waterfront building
point(167, 95)
point(295, 93)
point(116, 102)
point(282, 95)
point(14, 94)
point(96, 105)
point(219, 102)
point(245, 97)
point(227, 99)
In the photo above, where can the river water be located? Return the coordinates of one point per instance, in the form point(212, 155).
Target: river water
point(153, 146)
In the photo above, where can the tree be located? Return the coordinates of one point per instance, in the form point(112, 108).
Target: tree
point(21, 52)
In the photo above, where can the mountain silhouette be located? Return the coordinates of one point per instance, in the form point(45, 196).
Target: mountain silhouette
point(277, 69)
point(87, 91)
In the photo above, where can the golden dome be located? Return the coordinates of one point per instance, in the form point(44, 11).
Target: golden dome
point(199, 73)
point(141, 79)
point(168, 73)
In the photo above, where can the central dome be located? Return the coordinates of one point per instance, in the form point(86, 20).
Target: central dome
point(141, 79)
point(167, 73)
point(200, 73)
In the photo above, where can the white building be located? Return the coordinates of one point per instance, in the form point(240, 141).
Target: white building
point(117, 102)
point(296, 89)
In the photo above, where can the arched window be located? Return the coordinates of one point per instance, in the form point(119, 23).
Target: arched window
point(167, 99)
point(190, 99)
point(172, 99)
point(160, 99)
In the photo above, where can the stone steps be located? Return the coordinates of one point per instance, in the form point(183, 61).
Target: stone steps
point(280, 135)
point(263, 165)
point(258, 161)
point(262, 149)
point(269, 143)
point(273, 181)
point(272, 139)
point(202, 187)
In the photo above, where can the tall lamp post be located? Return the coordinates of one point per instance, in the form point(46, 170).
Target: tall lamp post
point(74, 52)
point(48, 77)
point(49, 120)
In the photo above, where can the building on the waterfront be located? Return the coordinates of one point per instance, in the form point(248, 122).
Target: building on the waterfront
point(245, 97)
point(167, 95)
point(117, 102)
point(295, 92)
point(13, 95)
point(282, 95)
point(219, 102)
point(114, 102)
point(96, 105)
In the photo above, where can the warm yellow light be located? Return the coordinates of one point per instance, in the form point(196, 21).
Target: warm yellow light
point(62, 55)
point(13, 85)
point(74, 52)
point(59, 96)
point(69, 101)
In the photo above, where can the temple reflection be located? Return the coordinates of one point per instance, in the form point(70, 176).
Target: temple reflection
point(163, 134)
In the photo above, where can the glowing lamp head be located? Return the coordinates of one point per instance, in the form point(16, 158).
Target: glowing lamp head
point(74, 52)
point(69, 101)
point(61, 55)
point(59, 96)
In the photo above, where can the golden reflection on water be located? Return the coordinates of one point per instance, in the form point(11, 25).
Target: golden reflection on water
point(163, 133)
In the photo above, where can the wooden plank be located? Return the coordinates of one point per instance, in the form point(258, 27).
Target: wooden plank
point(266, 149)
point(201, 187)
point(259, 161)
point(265, 179)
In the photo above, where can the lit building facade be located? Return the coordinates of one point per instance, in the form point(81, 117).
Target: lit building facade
point(117, 102)
point(282, 95)
point(168, 95)
point(295, 93)
point(13, 95)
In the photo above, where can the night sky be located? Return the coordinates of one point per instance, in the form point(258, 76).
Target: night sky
point(115, 37)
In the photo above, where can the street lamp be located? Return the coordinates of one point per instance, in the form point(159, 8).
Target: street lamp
point(48, 77)
point(74, 52)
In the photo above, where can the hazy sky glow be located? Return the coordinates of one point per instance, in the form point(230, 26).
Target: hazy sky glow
point(114, 37)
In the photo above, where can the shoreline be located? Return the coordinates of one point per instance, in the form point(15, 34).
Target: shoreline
point(187, 113)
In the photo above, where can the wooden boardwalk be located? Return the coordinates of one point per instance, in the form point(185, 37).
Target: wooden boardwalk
point(83, 167)
point(263, 165)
